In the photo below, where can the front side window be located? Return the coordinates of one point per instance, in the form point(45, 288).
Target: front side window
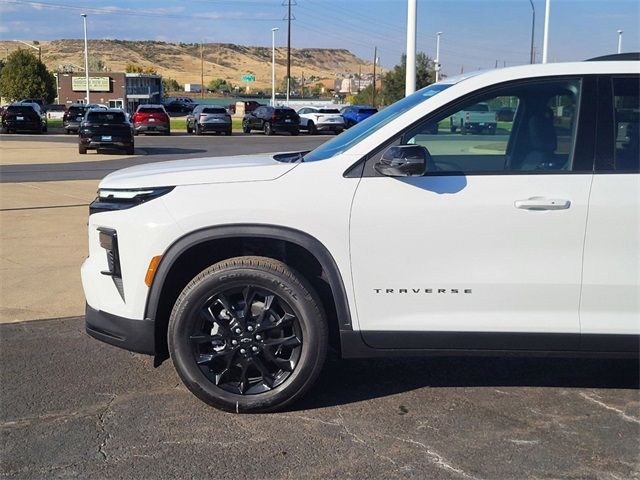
point(519, 128)
point(626, 104)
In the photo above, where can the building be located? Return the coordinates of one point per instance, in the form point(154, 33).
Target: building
point(115, 90)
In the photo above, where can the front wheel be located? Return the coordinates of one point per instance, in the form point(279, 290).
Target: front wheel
point(245, 127)
point(82, 150)
point(311, 127)
point(268, 128)
point(248, 334)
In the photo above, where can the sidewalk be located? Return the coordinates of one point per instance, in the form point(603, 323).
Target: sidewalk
point(43, 238)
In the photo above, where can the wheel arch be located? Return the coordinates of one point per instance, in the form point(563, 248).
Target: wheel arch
point(221, 242)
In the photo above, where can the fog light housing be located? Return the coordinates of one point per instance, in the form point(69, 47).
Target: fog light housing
point(109, 241)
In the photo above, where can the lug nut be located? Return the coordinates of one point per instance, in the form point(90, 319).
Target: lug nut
point(258, 337)
point(243, 351)
point(234, 342)
point(237, 330)
point(250, 328)
point(255, 349)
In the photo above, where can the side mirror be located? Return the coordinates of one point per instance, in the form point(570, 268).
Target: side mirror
point(403, 161)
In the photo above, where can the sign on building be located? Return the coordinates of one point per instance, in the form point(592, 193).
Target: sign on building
point(96, 84)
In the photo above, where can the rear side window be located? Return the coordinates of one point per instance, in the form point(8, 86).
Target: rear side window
point(76, 110)
point(284, 111)
point(214, 110)
point(626, 106)
point(106, 117)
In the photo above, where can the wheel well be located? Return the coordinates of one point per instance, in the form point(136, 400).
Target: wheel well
point(200, 256)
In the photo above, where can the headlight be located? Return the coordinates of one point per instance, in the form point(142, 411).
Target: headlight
point(119, 199)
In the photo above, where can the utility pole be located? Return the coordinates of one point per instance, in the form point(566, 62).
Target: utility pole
point(410, 80)
point(202, 69)
point(86, 54)
point(273, 66)
point(533, 29)
point(545, 46)
point(373, 89)
point(359, 77)
point(288, 48)
point(438, 56)
point(620, 41)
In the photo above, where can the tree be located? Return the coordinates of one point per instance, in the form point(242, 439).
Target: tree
point(170, 85)
point(135, 68)
point(24, 76)
point(393, 82)
point(219, 85)
point(96, 64)
point(363, 97)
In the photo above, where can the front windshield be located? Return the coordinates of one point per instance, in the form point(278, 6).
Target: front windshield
point(372, 124)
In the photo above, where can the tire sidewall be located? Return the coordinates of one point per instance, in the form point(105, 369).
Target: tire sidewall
point(305, 308)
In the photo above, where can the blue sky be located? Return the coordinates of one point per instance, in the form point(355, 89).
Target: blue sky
point(476, 33)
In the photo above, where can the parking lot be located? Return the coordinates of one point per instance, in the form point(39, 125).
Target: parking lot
point(75, 407)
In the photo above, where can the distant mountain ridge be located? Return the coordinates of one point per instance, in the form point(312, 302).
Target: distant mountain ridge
point(181, 61)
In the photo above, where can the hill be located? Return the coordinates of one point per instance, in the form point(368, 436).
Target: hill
point(181, 61)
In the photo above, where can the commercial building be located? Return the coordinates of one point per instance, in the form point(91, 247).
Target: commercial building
point(116, 90)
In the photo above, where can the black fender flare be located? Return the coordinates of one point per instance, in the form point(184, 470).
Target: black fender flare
point(304, 240)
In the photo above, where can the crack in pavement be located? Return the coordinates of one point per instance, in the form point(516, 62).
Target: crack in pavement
point(621, 413)
point(101, 425)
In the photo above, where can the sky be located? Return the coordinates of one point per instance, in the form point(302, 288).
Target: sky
point(477, 34)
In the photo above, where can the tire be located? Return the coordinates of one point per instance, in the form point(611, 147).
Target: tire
point(130, 150)
point(168, 133)
point(66, 131)
point(453, 129)
point(44, 129)
point(198, 129)
point(295, 132)
point(228, 133)
point(82, 150)
point(287, 359)
point(337, 132)
point(267, 128)
point(189, 130)
point(135, 132)
point(4, 130)
point(311, 128)
point(245, 127)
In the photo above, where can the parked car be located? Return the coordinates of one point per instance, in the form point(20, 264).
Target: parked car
point(56, 111)
point(75, 113)
point(178, 107)
point(353, 114)
point(505, 114)
point(151, 118)
point(316, 119)
point(383, 241)
point(23, 117)
point(39, 101)
point(108, 129)
point(272, 120)
point(249, 106)
point(209, 118)
point(476, 118)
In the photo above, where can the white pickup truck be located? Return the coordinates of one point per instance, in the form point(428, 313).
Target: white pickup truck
point(475, 119)
point(386, 240)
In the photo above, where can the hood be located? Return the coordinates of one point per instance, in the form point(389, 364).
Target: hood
point(243, 168)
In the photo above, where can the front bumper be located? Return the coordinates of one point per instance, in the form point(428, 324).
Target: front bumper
point(134, 335)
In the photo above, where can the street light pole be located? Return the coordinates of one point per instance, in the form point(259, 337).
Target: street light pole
point(438, 56)
point(86, 54)
point(273, 66)
point(545, 45)
point(410, 80)
point(32, 46)
point(620, 41)
point(533, 29)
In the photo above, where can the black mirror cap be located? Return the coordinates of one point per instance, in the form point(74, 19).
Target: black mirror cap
point(403, 161)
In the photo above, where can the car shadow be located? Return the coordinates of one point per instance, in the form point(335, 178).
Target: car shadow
point(168, 150)
point(348, 381)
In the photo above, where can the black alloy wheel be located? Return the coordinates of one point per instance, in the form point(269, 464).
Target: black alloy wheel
point(268, 128)
point(245, 126)
point(311, 127)
point(248, 335)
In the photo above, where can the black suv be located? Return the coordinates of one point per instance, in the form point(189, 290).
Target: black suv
point(23, 117)
point(271, 120)
point(108, 129)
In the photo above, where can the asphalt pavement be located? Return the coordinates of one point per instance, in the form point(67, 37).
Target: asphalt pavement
point(72, 407)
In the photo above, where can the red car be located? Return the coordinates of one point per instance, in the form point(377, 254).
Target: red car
point(151, 118)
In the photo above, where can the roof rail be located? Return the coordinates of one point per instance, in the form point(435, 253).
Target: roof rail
point(616, 57)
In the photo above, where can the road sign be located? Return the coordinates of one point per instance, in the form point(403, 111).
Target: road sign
point(248, 78)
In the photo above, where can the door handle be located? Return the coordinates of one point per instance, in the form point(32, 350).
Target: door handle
point(543, 203)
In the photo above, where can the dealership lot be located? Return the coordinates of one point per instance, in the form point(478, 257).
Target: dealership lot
point(73, 407)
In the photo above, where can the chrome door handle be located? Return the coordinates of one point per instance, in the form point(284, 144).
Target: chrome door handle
point(543, 203)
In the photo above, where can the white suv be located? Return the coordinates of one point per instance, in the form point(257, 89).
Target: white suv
point(397, 237)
